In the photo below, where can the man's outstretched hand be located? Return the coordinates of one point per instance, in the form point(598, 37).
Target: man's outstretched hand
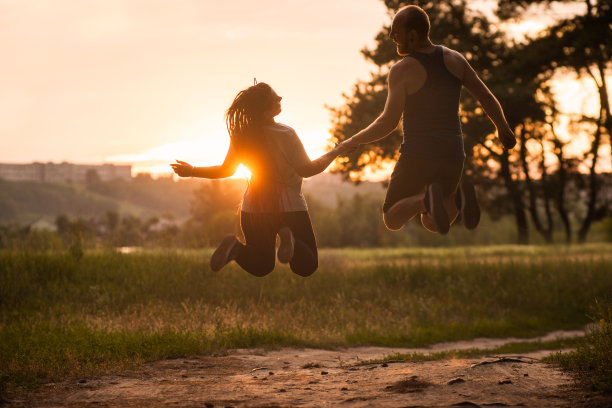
point(182, 168)
point(506, 136)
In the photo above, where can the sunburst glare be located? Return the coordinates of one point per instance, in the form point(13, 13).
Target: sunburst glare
point(243, 172)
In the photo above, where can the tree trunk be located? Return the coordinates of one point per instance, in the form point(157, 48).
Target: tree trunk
point(593, 187)
point(560, 198)
point(545, 186)
point(602, 121)
point(533, 202)
point(605, 101)
point(517, 201)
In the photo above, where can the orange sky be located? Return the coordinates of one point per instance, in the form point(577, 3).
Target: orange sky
point(130, 80)
point(148, 81)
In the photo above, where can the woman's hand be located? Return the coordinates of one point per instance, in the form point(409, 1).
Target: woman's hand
point(183, 169)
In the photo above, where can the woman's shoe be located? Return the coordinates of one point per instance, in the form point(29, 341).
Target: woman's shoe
point(287, 244)
point(224, 253)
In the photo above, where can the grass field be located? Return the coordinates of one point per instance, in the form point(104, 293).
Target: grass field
point(62, 318)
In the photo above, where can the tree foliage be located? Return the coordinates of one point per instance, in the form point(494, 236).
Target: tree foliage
point(582, 43)
point(533, 181)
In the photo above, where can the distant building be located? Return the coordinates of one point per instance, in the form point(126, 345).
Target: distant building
point(63, 172)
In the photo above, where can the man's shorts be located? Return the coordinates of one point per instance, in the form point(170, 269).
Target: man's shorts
point(412, 175)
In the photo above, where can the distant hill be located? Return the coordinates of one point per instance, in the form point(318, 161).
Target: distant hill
point(326, 188)
point(27, 202)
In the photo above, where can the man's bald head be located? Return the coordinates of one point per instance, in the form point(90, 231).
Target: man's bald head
point(413, 18)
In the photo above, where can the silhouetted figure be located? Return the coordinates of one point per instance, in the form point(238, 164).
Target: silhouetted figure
point(273, 202)
point(425, 87)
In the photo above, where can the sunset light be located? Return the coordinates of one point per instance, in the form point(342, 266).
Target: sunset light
point(306, 203)
point(145, 82)
point(242, 173)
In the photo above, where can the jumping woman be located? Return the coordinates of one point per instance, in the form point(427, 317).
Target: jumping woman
point(273, 202)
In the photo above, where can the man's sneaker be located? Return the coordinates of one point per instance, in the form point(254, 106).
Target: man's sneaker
point(287, 243)
point(224, 253)
point(467, 204)
point(434, 203)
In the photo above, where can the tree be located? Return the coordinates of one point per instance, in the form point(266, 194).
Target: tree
point(582, 43)
point(487, 50)
point(527, 181)
point(74, 233)
point(214, 211)
point(92, 179)
point(452, 24)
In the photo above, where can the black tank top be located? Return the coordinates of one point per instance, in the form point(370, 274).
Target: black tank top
point(431, 124)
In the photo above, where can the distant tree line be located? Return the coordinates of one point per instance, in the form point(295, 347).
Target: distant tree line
point(543, 185)
point(144, 196)
point(355, 221)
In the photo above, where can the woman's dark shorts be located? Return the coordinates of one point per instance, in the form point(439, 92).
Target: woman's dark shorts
point(412, 175)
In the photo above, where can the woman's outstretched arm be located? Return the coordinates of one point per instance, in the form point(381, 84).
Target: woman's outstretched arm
point(317, 166)
point(227, 169)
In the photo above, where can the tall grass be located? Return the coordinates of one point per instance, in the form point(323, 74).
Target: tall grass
point(62, 317)
point(593, 356)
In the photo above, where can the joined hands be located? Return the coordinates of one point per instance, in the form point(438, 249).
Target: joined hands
point(347, 146)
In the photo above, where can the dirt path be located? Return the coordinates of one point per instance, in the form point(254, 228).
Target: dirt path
point(321, 378)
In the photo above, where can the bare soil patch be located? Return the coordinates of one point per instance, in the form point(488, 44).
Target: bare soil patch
point(324, 378)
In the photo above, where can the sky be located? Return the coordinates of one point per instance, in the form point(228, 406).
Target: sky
point(142, 80)
point(146, 82)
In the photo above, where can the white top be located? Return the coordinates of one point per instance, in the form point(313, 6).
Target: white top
point(288, 153)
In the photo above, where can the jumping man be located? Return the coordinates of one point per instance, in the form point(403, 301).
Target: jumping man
point(424, 88)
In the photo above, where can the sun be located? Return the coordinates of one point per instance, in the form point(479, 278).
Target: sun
point(242, 172)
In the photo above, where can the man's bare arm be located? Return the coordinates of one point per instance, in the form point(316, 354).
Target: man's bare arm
point(317, 166)
point(387, 121)
point(490, 104)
